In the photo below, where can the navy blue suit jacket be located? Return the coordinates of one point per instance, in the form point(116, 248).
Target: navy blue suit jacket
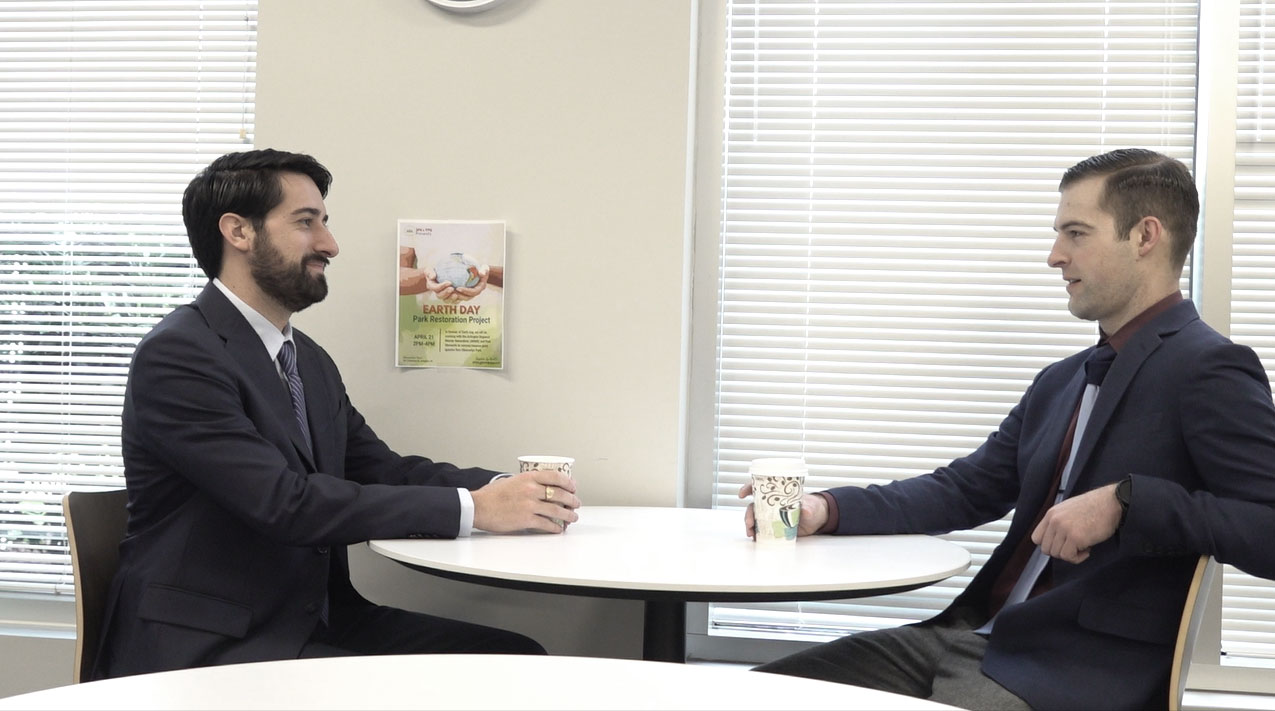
point(236, 534)
point(1184, 411)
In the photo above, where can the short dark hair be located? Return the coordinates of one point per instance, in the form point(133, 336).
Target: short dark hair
point(246, 184)
point(1141, 183)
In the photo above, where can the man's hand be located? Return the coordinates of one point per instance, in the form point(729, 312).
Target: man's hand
point(520, 503)
point(814, 514)
point(1075, 525)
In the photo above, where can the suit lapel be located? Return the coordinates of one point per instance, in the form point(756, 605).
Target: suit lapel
point(1128, 362)
point(245, 347)
point(1038, 484)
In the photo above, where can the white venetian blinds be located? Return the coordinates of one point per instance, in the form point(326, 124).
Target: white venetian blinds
point(889, 185)
point(1248, 602)
point(107, 109)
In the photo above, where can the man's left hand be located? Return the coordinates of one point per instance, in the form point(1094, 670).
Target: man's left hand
point(1075, 525)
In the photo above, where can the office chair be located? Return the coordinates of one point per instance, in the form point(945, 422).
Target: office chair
point(95, 523)
point(1193, 614)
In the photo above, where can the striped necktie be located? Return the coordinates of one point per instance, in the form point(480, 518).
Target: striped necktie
point(288, 361)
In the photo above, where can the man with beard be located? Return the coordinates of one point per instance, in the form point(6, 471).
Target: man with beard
point(249, 471)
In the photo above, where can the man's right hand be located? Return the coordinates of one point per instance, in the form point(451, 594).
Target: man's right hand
point(519, 503)
point(814, 514)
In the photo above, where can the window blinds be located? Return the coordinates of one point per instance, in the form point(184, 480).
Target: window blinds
point(107, 109)
point(889, 184)
point(1248, 608)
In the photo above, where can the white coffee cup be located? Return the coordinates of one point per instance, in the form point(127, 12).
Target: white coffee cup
point(546, 462)
point(778, 484)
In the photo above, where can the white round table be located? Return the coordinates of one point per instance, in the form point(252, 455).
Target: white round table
point(671, 556)
point(446, 681)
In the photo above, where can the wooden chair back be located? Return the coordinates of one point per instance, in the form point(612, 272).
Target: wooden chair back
point(1193, 615)
point(95, 524)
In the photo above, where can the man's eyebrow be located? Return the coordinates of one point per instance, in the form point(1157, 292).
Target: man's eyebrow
point(310, 211)
point(1073, 223)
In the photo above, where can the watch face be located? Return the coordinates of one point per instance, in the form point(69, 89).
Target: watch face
point(466, 5)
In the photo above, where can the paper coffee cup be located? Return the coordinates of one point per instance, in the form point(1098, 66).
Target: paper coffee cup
point(778, 484)
point(546, 462)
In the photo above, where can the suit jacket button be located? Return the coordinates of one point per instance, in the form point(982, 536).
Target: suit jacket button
point(322, 550)
point(312, 608)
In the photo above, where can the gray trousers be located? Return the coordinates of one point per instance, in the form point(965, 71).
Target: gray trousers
point(939, 662)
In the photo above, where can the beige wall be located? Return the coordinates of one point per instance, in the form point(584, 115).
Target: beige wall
point(31, 662)
point(568, 119)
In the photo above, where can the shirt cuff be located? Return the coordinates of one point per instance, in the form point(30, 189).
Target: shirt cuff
point(466, 513)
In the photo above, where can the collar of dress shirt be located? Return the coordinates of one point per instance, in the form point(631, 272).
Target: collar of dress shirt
point(270, 336)
point(1127, 331)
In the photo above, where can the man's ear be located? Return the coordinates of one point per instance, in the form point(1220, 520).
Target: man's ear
point(237, 231)
point(1149, 234)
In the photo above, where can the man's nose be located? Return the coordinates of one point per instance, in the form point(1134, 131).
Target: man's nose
point(327, 245)
point(1056, 258)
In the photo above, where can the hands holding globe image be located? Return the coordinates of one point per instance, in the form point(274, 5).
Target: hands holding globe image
point(457, 277)
point(453, 278)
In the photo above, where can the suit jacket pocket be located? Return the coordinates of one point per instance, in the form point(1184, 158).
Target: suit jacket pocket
point(1137, 622)
point(175, 606)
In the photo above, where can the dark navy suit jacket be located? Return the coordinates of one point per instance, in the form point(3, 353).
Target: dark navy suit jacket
point(236, 534)
point(1184, 411)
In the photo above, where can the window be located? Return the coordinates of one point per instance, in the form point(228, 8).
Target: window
point(1248, 602)
point(888, 183)
point(107, 109)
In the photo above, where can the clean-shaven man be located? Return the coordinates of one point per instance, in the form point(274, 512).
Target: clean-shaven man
point(1122, 463)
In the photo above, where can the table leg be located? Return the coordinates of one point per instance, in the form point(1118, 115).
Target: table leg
point(664, 631)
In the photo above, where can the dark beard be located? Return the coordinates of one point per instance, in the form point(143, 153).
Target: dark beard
point(292, 286)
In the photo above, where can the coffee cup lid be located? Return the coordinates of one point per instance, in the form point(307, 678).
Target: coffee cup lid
point(548, 458)
point(786, 466)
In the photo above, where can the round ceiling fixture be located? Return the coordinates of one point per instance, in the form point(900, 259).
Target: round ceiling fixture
point(466, 5)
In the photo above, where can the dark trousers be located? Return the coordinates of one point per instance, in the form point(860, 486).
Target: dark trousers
point(939, 662)
point(376, 629)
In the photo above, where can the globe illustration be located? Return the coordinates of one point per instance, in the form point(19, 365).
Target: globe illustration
point(458, 270)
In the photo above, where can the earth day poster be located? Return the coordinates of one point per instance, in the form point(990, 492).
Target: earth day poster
point(451, 278)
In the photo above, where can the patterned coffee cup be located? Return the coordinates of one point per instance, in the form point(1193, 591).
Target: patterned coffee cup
point(546, 462)
point(778, 484)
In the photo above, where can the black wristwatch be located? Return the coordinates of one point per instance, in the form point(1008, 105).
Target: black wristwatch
point(1123, 490)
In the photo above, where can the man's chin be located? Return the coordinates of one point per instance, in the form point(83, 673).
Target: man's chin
point(312, 299)
point(1079, 311)
point(318, 289)
point(296, 300)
